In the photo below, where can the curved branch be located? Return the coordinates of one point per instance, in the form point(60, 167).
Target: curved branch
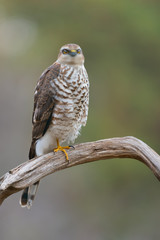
point(33, 170)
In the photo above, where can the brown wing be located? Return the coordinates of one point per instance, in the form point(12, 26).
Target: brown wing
point(43, 105)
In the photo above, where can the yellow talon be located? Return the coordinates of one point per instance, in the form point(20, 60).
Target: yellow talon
point(60, 148)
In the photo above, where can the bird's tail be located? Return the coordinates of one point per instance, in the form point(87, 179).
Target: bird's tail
point(28, 195)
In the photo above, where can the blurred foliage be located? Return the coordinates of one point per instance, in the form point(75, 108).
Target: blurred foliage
point(121, 43)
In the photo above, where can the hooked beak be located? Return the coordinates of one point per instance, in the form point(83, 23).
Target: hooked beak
point(73, 53)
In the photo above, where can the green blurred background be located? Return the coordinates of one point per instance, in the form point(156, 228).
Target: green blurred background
point(115, 199)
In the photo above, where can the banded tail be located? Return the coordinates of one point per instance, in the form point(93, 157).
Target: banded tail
point(29, 193)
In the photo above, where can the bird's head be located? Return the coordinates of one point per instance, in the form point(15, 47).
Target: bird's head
point(71, 54)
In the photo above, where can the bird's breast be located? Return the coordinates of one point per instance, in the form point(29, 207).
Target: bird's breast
point(70, 92)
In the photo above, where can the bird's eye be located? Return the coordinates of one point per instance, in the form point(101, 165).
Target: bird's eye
point(78, 51)
point(65, 51)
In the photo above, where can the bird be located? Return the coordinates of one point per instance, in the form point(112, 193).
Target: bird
point(61, 100)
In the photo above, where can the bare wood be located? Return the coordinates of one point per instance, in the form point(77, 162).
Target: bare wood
point(37, 168)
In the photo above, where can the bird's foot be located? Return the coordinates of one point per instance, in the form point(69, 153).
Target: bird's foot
point(60, 148)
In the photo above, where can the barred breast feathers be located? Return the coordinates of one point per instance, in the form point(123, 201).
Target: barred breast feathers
point(72, 98)
point(71, 84)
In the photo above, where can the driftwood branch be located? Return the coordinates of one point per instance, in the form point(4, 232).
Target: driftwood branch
point(33, 170)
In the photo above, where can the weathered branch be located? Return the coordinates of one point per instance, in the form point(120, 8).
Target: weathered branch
point(37, 168)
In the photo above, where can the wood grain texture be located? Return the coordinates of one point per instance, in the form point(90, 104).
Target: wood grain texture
point(35, 169)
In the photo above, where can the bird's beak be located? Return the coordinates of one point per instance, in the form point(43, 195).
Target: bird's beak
point(73, 53)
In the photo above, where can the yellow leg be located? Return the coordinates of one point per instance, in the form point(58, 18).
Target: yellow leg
point(60, 148)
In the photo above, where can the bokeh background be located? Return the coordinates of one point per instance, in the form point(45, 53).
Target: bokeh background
point(114, 199)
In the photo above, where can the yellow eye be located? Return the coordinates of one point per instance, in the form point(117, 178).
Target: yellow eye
point(65, 51)
point(78, 51)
